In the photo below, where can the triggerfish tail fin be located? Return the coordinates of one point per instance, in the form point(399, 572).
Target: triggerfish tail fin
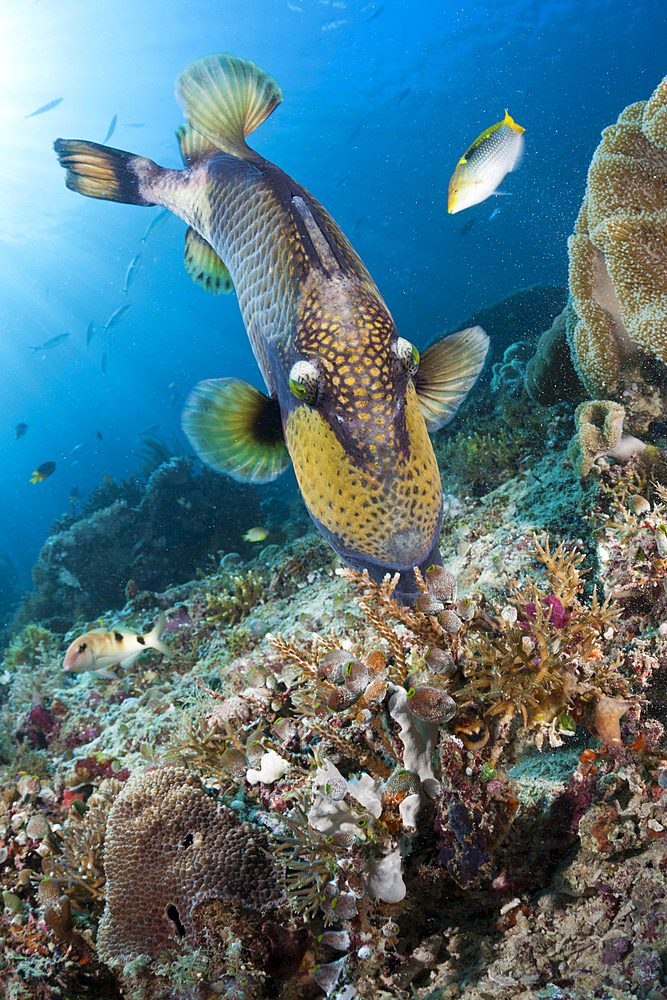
point(226, 98)
point(447, 372)
point(154, 638)
point(236, 429)
point(204, 266)
point(102, 172)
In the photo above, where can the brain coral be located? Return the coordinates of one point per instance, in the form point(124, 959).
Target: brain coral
point(170, 846)
point(618, 253)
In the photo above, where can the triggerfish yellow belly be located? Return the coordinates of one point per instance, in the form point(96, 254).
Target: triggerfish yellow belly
point(349, 401)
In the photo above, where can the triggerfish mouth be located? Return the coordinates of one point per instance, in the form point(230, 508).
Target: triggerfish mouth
point(348, 400)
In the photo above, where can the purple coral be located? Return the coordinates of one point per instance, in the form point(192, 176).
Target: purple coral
point(559, 615)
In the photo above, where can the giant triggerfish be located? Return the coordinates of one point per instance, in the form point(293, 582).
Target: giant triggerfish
point(349, 401)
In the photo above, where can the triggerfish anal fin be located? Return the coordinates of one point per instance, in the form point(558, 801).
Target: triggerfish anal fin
point(236, 429)
point(226, 98)
point(204, 266)
point(447, 371)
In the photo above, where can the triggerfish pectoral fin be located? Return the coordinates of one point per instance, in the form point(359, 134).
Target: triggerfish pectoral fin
point(447, 372)
point(236, 429)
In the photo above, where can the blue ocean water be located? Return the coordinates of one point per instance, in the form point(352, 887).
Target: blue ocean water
point(380, 102)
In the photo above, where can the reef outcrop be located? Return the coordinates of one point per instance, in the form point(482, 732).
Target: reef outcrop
point(155, 534)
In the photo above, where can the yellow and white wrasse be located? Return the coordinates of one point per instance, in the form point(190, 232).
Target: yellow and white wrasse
point(100, 651)
point(485, 164)
point(348, 399)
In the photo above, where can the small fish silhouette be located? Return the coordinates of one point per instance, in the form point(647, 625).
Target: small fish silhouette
point(112, 128)
point(45, 107)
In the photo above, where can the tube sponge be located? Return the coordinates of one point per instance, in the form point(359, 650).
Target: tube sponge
point(599, 425)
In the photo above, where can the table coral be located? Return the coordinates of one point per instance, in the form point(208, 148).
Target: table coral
point(618, 253)
point(169, 847)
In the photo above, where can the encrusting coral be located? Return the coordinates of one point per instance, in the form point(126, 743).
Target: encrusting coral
point(618, 253)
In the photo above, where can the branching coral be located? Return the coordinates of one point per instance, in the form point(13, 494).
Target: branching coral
point(541, 659)
point(310, 860)
point(219, 754)
point(235, 599)
point(153, 449)
point(30, 647)
point(77, 867)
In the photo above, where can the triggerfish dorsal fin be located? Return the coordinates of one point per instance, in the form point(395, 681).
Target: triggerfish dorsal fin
point(193, 145)
point(204, 266)
point(236, 429)
point(447, 372)
point(226, 98)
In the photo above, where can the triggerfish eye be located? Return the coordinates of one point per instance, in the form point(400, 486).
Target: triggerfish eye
point(303, 382)
point(408, 355)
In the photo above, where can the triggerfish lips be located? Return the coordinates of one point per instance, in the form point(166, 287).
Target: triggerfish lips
point(382, 515)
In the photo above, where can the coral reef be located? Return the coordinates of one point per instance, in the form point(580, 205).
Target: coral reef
point(550, 376)
point(324, 792)
point(160, 537)
point(618, 253)
point(522, 316)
